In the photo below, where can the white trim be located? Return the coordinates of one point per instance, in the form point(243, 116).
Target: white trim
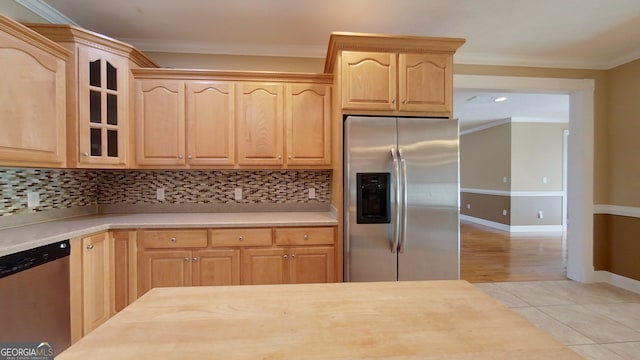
point(618, 280)
point(537, 193)
point(536, 228)
point(513, 228)
point(485, 126)
point(617, 210)
point(513, 193)
point(462, 57)
point(486, 191)
point(46, 11)
point(484, 222)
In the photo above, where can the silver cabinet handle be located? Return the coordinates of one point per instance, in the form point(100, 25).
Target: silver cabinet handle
point(403, 235)
point(404, 101)
point(90, 246)
point(305, 237)
point(279, 157)
point(285, 257)
point(393, 101)
point(289, 157)
point(173, 239)
point(85, 154)
point(293, 256)
point(396, 226)
point(241, 238)
point(180, 156)
point(194, 259)
point(187, 259)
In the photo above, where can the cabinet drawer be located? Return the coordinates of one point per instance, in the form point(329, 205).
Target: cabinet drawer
point(305, 236)
point(240, 237)
point(169, 239)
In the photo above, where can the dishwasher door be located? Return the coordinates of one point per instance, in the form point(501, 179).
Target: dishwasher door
point(34, 297)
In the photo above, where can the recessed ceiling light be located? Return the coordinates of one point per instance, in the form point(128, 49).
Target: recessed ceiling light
point(500, 99)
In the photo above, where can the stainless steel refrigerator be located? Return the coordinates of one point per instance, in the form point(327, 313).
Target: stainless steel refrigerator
point(401, 199)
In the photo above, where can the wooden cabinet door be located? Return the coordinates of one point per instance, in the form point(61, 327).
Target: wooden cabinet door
point(311, 265)
point(210, 123)
point(32, 103)
point(160, 122)
point(216, 267)
point(124, 269)
point(103, 108)
point(308, 124)
point(368, 80)
point(260, 124)
point(264, 266)
point(160, 268)
point(96, 281)
point(425, 82)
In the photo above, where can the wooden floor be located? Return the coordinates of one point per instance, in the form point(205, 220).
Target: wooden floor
point(489, 255)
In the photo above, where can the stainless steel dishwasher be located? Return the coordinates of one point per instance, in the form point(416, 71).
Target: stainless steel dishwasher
point(34, 296)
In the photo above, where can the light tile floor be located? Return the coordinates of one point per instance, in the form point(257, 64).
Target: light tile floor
point(597, 321)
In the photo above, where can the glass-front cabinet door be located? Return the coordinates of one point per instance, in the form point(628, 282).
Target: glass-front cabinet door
point(103, 113)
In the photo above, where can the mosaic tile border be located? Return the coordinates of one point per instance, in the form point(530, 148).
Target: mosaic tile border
point(61, 190)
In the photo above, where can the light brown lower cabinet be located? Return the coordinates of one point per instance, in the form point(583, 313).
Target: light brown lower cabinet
point(167, 268)
point(294, 265)
point(91, 283)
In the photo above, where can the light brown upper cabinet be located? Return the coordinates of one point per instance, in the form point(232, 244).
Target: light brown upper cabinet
point(393, 75)
point(232, 120)
point(210, 123)
point(260, 124)
point(396, 82)
point(98, 93)
point(184, 124)
point(32, 98)
point(308, 124)
point(160, 122)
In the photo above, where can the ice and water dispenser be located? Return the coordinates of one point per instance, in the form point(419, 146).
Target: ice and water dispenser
point(373, 198)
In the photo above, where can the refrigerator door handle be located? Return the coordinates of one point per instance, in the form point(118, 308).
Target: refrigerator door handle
point(403, 235)
point(396, 225)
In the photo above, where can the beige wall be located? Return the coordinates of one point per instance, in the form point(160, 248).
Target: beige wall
point(18, 12)
point(624, 135)
point(486, 207)
point(485, 158)
point(536, 152)
point(237, 62)
point(524, 210)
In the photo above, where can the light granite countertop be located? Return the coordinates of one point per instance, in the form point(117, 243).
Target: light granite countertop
point(21, 238)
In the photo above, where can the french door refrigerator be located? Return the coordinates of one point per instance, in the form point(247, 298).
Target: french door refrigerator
point(401, 199)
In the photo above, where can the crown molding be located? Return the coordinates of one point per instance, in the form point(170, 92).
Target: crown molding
point(46, 11)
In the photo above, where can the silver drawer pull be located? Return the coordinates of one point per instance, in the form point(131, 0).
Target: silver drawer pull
point(285, 257)
point(194, 259)
point(187, 259)
point(306, 237)
point(173, 239)
point(293, 256)
point(90, 246)
point(241, 238)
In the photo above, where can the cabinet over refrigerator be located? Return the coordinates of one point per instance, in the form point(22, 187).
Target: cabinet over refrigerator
point(401, 199)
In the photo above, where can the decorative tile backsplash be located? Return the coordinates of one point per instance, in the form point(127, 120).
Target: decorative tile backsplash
point(71, 188)
point(58, 189)
point(204, 187)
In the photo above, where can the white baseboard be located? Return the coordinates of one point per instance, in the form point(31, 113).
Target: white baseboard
point(484, 222)
point(617, 280)
point(513, 228)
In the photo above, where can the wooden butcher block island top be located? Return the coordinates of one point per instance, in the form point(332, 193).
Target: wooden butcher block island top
point(386, 320)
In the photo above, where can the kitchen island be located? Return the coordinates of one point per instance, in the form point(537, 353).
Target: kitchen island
point(385, 320)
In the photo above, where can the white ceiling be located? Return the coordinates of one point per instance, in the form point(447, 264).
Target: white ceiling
point(559, 33)
point(475, 108)
point(596, 34)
